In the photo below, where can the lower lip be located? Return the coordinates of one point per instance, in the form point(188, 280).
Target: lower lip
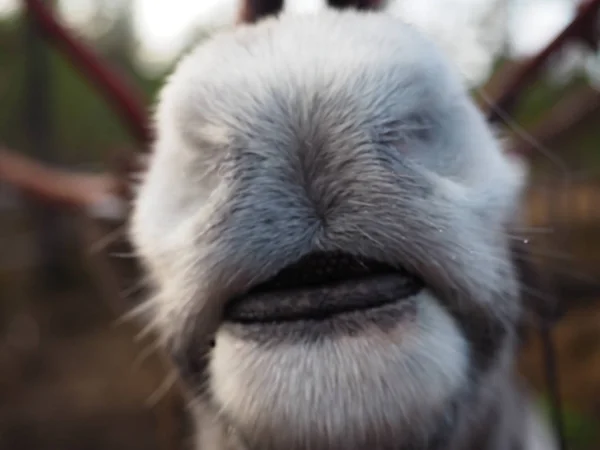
point(323, 301)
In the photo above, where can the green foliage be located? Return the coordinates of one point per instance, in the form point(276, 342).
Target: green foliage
point(12, 73)
point(541, 96)
point(85, 127)
point(581, 431)
point(578, 150)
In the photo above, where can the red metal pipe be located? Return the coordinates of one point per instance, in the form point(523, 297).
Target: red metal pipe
point(114, 88)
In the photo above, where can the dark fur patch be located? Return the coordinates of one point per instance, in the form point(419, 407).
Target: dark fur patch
point(484, 334)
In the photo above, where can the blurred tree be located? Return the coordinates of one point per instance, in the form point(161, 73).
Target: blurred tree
point(85, 128)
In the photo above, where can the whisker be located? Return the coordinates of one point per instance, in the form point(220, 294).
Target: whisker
point(123, 255)
point(162, 390)
point(146, 352)
point(534, 252)
point(533, 230)
point(142, 283)
point(136, 312)
point(145, 332)
point(537, 293)
point(524, 134)
point(110, 238)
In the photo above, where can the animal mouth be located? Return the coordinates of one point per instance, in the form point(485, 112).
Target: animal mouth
point(322, 285)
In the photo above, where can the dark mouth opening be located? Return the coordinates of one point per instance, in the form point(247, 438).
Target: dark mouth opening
point(321, 285)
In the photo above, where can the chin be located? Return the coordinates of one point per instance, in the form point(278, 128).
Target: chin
point(349, 364)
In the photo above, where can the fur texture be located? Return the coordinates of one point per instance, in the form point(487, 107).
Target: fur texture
point(339, 131)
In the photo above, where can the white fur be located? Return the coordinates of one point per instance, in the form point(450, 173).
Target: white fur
point(335, 131)
point(428, 360)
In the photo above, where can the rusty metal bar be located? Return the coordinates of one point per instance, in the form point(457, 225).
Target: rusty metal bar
point(580, 27)
point(115, 89)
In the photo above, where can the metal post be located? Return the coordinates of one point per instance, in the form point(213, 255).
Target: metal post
point(38, 123)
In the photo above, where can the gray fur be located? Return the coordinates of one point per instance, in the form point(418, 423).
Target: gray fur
point(339, 131)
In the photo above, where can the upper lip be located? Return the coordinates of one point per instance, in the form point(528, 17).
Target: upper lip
point(321, 285)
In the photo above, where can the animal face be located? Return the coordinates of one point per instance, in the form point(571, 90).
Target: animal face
point(325, 222)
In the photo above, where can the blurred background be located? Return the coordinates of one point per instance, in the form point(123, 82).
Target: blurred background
point(75, 376)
